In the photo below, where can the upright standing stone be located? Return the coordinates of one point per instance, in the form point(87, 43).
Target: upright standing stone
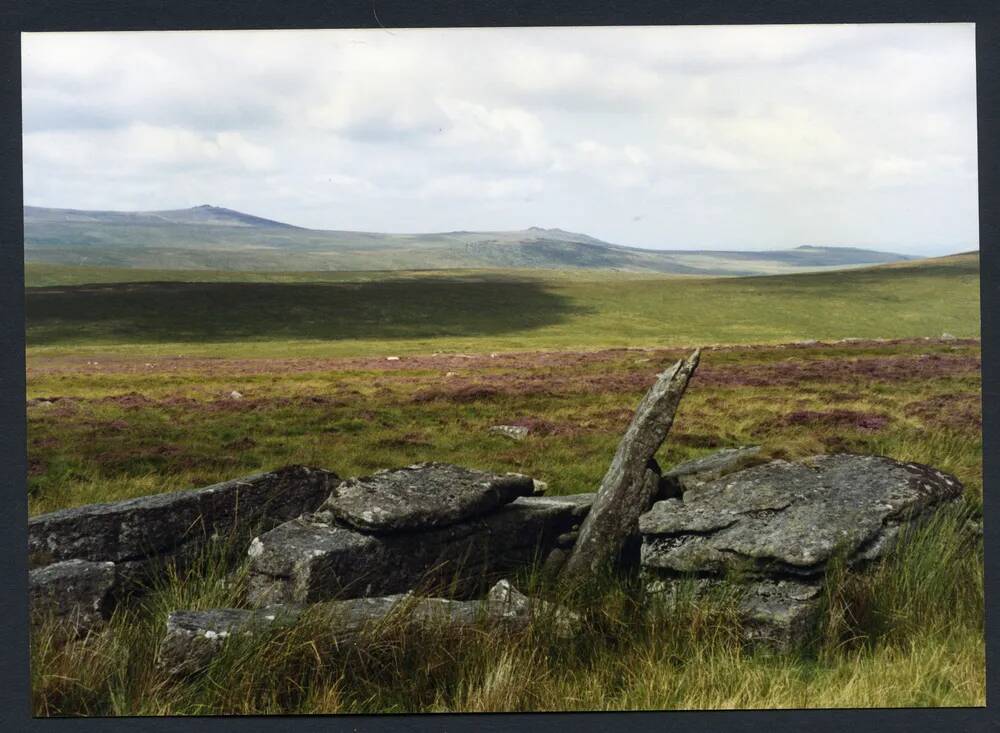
point(632, 480)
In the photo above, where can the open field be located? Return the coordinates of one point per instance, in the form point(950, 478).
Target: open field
point(115, 412)
point(367, 314)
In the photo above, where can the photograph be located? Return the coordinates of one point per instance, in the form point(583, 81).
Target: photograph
point(502, 369)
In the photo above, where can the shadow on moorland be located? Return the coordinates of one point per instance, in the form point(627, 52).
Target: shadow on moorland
point(210, 312)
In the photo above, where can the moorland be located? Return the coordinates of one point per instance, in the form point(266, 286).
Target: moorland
point(131, 382)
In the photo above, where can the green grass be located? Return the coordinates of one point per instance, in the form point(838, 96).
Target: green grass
point(140, 421)
point(420, 312)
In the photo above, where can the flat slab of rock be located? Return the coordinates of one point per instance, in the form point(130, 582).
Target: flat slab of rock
point(314, 558)
point(777, 614)
point(422, 496)
point(788, 519)
point(193, 638)
point(77, 591)
point(692, 474)
point(151, 527)
point(574, 505)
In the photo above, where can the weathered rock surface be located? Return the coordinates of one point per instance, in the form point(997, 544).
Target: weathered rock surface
point(695, 473)
point(553, 563)
point(507, 604)
point(567, 539)
point(152, 528)
point(790, 518)
point(422, 496)
point(774, 613)
point(514, 432)
point(632, 480)
point(77, 591)
point(193, 638)
point(314, 558)
point(777, 526)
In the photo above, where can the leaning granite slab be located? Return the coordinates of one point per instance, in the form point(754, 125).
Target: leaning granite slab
point(79, 592)
point(785, 521)
point(422, 496)
point(629, 487)
point(315, 557)
point(693, 474)
point(194, 638)
point(138, 533)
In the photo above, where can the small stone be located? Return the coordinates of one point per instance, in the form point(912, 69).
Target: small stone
point(553, 563)
point(974, 528)
point(78, 591)
point(566, 539)
point(505, 602)
point(515, 432)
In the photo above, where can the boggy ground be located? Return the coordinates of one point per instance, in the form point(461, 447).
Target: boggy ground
point(908, 635)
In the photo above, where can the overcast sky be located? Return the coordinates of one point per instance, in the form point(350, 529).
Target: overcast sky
point(676, 137)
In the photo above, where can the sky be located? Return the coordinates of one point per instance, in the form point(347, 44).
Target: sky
point(721, 137)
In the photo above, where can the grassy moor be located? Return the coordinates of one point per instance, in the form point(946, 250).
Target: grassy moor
point(503, 369)
point(148, 381)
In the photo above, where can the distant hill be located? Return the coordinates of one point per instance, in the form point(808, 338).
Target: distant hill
point(210, 237)
point(197, 215)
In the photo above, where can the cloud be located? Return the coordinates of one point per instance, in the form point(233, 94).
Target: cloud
point(671, 137)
